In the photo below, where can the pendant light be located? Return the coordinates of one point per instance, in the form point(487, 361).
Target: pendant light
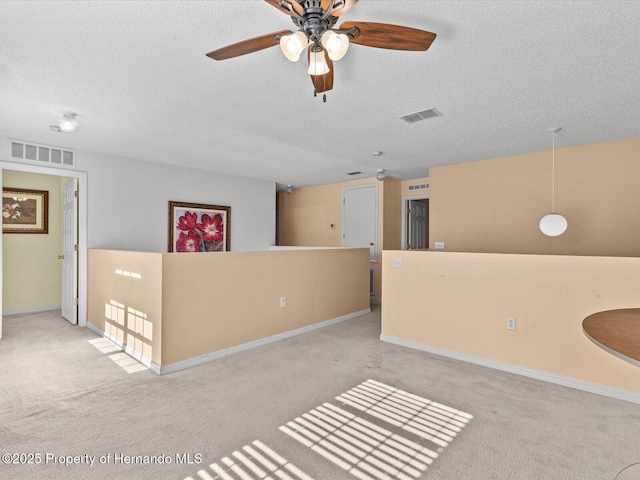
point(553, 224)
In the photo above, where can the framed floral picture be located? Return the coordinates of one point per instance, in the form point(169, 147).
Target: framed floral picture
point(25, 211)
point(198, 227)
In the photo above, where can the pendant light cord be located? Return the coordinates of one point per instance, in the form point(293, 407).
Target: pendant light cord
point(553, 173)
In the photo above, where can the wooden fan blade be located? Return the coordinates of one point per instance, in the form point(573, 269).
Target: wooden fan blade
point(294, 4)
point(322, 83)
point(393, 37)
point(248, 46)
point(347, 5)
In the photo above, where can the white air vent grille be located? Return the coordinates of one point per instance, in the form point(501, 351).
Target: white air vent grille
point(419, 186)
point(34, 153)
point(416, 117)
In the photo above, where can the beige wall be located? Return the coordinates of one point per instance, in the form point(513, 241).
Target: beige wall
point(460, 302)
point(31, 270)
point(188, 305)
point(220, 301)
point(495, 205)
point(126, 308)
point(306, 216)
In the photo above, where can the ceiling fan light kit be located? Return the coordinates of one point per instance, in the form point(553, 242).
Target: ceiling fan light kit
point(316, 20)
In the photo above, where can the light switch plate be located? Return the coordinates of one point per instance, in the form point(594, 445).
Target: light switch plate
point(397, 263)
point(440, 245)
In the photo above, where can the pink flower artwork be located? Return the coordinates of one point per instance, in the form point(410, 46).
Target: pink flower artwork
point(199, 228)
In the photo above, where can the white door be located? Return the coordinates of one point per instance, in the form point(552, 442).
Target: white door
point(417, 225)
point(69, 253)
point(360, 218)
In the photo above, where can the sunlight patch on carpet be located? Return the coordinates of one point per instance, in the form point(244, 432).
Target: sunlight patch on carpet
point(370, 451)
point(253, 462)
point(123, 360)
point(430, 420)
point(358, 446)
point(104, 345)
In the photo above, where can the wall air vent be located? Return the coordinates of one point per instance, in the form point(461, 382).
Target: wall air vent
point(416, 117)
point(354, 173)
point(38, 154)
point(419, 186)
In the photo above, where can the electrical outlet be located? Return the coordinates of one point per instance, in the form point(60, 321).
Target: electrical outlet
point(511, 323)
point(440, 245)
point(397, 263)
point(283, 302)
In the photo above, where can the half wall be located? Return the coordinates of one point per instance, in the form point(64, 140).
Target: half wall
point(457, 304)
point(173, 310)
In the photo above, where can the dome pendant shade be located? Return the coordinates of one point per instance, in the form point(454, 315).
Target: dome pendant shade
point(293, 45)
point(553, 224)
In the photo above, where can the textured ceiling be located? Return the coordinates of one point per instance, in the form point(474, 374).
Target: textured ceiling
point(500, 72)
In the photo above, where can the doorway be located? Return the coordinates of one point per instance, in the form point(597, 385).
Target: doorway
point(80, 233)
point(360, 218)
point(415, 223)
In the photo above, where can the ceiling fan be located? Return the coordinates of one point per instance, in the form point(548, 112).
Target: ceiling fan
point(316, 20)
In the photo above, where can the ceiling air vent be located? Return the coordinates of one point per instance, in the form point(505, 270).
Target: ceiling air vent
point(416, 117)
point(354, 173)
point(35, 153)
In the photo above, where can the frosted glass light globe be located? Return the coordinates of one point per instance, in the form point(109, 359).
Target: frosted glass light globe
point(553, 224)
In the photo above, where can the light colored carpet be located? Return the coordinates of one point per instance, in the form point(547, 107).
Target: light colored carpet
point(59, 394)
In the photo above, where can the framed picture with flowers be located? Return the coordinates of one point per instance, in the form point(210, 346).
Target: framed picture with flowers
point(198, 227)
point(25, 211)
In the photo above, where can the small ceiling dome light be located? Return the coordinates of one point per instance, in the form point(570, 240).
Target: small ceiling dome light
point(553, 224)
point(317, 63)
point(381, 175)
point(293, 45)
point(68, 123)
point(289, 189)
point(336, 44)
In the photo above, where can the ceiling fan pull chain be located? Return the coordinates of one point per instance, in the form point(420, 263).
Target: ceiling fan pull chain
point(315, 92)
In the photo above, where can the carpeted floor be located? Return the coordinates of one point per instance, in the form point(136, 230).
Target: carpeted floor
point(272, 412)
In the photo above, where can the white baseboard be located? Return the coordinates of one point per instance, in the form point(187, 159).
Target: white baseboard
point(125, 348)
point(21, 311)
point(174, 367)
point(526, 372)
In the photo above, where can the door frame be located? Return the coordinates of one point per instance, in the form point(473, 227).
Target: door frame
point(405, 201)
point(82, 229)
